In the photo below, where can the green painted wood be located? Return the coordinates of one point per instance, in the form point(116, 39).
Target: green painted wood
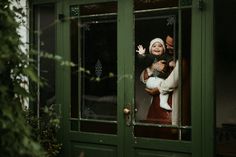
point(196, 81)
point(91, 150)
point(126, 50)
point(59, 82)
point(153, 153)
point(185, 2)
point(121, 72)
point(202, 90)
point(208, 104)
point(65, 80)
point(202, 81)
point(95, 138)
point(42, 1)
point(75, 140)
point(167, 145)
point(90, 1)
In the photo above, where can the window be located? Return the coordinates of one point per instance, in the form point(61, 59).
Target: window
point(44, 41)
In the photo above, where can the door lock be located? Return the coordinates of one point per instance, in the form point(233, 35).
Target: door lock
point(127, 114)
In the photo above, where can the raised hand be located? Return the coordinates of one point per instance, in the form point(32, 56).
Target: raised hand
point(141, 50)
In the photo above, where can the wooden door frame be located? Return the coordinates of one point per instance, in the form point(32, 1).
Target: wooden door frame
point(64, 87)
point(202, 94)
point(203, 106)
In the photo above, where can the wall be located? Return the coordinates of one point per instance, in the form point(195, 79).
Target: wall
point(225, 61)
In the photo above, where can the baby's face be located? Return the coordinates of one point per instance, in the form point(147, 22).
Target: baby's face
point(157, 49)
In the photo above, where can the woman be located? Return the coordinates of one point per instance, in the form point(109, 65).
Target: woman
point(169, 85)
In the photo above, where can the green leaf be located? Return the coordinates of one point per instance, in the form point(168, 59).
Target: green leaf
point(32, 75)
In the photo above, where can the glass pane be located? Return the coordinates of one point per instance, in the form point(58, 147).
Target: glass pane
point(93, 38)
point(44, 41)
point(160, 28)
point(74, 12)
point(162, 73)
point(185, 67)
point(99, 60)
point(225, 77)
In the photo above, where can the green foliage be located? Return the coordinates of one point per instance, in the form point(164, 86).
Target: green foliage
point(15, 69)
point(45, 128)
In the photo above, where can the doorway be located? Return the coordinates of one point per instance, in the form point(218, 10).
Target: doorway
point(108, 110)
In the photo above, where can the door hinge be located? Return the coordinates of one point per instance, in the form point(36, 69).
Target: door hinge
point(201, 5)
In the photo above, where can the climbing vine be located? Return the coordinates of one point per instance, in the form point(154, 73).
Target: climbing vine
point(17, 69)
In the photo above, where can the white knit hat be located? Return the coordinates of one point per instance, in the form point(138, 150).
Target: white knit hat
point(159, 40)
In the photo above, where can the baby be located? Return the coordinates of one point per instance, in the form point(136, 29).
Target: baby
point(155, 77)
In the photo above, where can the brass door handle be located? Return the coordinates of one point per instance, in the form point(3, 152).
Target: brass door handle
point(127, 114)
point(126, 111)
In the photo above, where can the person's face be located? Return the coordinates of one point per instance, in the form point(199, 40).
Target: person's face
point(170, 49)
point(157, 49)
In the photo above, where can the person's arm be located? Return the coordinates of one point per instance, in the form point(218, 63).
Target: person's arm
point(153, 91)
point(171, 82)
point(145, 75)
point(159, 66)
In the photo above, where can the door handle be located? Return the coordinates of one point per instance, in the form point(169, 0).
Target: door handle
point(127, 114)
point(126, 111)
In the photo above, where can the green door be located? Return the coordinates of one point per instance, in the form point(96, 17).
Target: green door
point(109, 107)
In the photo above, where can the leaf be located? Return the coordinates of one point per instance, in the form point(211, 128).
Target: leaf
point(111, 74)
point(7, 113)
point(98, 79)
point(21, 91)
point(32, 75)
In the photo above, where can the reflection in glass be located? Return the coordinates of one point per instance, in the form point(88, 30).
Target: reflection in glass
point(161, 30)
point(99, 68)
point(44, 41)
point(173, 34)
point(93, 47)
